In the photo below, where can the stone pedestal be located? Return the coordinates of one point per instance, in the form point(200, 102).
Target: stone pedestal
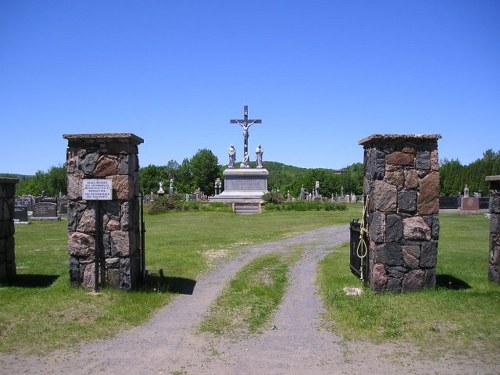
point(243, 185)
point(401, 185)
point(112, 157)
point(469, 205)
point(244, 188)
point(494, 267)
point(7, 229)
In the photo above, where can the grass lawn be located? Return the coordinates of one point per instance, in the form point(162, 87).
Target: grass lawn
point(42, 312)
point(461, 314)
point(249, 300)
point(42, 305)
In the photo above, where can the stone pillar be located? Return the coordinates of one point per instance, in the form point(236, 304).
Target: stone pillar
point(494, 267)
point(401, 185)
point(113, 157)
point(7, 251)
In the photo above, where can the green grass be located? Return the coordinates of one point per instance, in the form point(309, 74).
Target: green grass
point(43, 312)
point(251, 297)
point(436, 320)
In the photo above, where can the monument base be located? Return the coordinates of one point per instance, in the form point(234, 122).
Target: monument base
point(243, 186)
point(469, 206)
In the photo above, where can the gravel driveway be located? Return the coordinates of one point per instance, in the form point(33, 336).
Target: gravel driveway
point(295, 342)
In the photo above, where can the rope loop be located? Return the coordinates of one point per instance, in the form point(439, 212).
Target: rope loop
point(362, 249)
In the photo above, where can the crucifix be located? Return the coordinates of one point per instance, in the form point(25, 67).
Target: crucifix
point(245, 124)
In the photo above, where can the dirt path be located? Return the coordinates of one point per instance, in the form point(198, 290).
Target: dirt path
point(294, 342)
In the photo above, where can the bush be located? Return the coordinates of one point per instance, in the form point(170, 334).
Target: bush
point(306, 206)
point(273, 197)
point(173, 203)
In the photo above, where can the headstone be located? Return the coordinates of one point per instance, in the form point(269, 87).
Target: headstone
point(218, 185)
point(26, 201)
point(470, 205)
point(45, 211)
point(63, 205)
point(171, 187)
point(20, 214)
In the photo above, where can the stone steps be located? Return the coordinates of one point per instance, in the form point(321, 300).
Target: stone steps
point(247, 208)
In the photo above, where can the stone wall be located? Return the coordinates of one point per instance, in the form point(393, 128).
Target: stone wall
point(494, 266)
point(402, 188)
point(113, 157)
point(7, 229)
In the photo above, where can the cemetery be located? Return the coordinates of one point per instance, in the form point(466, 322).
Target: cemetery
point(405, 241)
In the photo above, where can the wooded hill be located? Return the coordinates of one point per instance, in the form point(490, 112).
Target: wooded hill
point(203, 168)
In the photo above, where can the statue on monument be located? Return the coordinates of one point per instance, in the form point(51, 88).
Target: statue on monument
point(160, 190)
point(244, 163)
point(258, 153)
point(232, 156)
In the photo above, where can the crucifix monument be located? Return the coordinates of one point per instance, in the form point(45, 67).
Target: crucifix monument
point(245, 125)
point(244, 187)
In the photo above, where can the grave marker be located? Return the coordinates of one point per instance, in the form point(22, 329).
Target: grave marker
point(45, 211)
point(20, 214)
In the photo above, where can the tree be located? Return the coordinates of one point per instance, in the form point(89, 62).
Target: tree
point(184, 182)
point(205, 170)
point(51, 183)
point(150, 177)
point(171, 169)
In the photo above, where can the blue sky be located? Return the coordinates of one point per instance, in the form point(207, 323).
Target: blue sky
point(320, 74)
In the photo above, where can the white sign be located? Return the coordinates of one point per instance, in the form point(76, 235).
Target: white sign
point(97, 190)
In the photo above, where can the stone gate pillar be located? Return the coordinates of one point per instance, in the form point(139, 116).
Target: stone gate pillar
point(113, 157)
point(7, 251)
point(494, 267)
point(401, 185)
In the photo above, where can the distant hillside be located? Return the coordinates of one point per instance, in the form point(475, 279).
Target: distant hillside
point(288, 178)
point(19, 176)
point(23, 179)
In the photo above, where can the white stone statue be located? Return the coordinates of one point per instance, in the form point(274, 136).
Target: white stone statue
point(258, 153)
point(232, 156)
point(244, 163)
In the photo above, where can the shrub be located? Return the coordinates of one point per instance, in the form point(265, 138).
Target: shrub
point(306, 206)
point(273, 197)
point(172, 203)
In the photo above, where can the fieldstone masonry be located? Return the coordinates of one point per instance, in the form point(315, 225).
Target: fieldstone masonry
point(494, 266)
point(7, 250)
point(402, 188)
point(114, 157)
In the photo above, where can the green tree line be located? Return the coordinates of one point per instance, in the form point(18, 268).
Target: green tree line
point(202, 169)
point(454, 176)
